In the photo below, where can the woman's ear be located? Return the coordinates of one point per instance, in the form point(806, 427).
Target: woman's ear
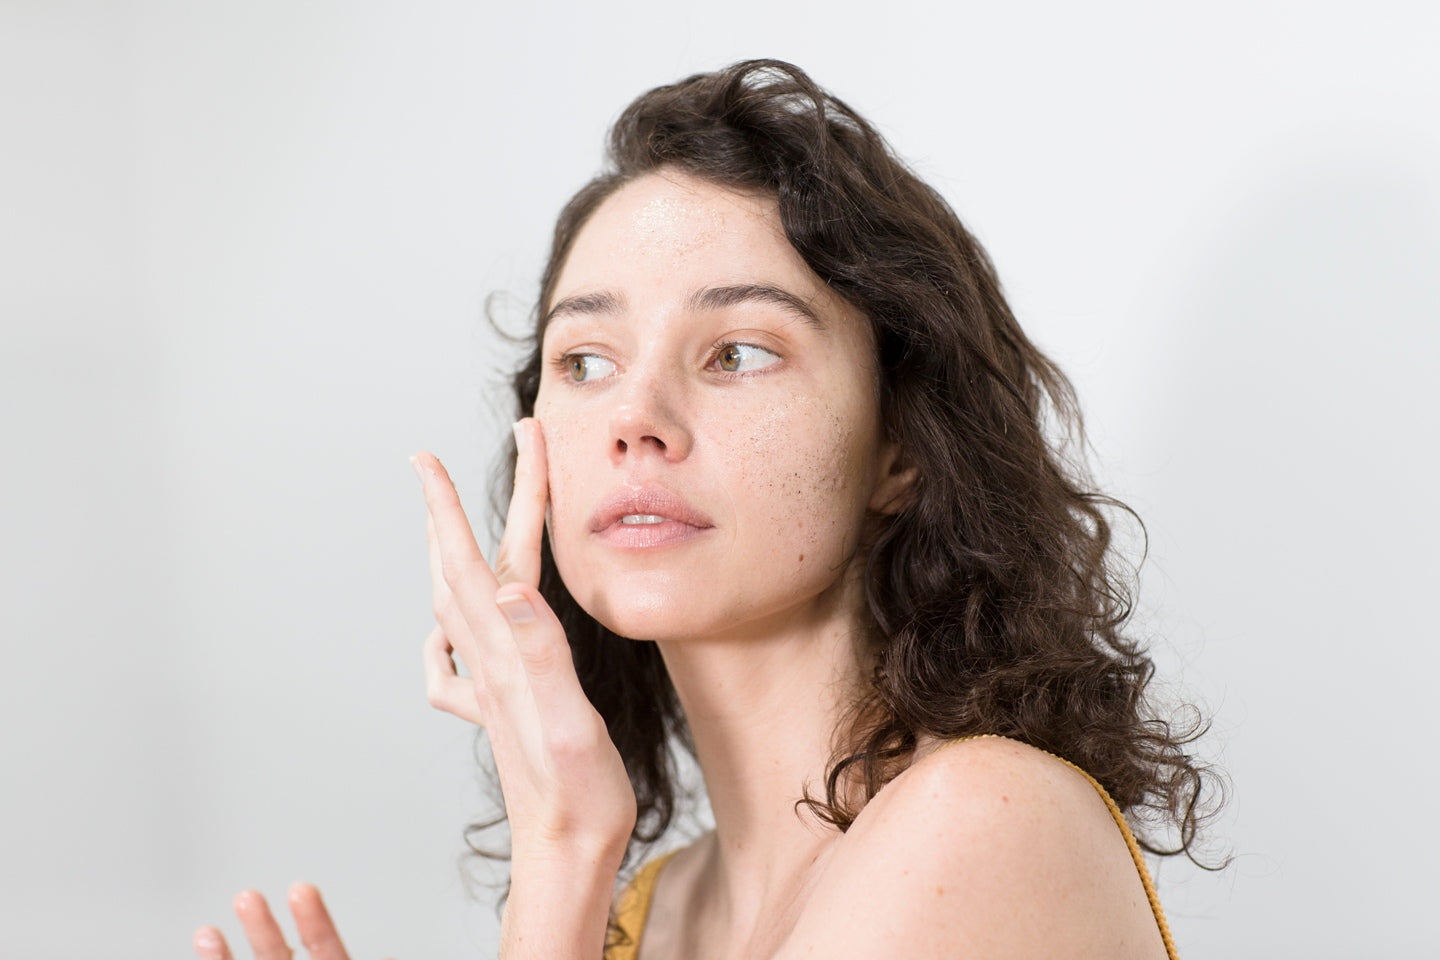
point(895, 482)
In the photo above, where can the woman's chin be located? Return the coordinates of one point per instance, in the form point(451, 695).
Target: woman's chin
point(644, 616)
point(644, 611)
point(653, 604)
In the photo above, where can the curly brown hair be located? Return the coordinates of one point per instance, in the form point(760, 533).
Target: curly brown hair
point(996, 598)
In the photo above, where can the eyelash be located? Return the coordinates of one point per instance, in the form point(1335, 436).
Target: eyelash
point(561, 362)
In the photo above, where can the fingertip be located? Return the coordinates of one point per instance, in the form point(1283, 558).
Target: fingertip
point(247, 900)
point(209, 944)
point(300, 892)
point(514, 590)
point(522, 435)
point(515, 603)
point(537, 433)
point(424, 464)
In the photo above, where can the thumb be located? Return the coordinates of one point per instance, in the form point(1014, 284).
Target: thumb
point(539, 640)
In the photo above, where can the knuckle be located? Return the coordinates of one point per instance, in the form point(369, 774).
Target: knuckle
point(443, 607)
point(440, 594)
point(435, 696)
point(541, 658)
point(571, 741)
point(456, 570)
point(484, 700)
point(548, 657)
point(499, 684)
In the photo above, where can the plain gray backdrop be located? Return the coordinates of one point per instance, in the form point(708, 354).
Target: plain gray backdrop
point(244, 252)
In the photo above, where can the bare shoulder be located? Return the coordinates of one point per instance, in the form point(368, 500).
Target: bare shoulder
point(983, 848)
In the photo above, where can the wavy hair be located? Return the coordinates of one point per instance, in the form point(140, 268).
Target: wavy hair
point(997, 599)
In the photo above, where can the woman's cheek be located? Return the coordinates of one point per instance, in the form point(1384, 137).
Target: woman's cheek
point(563, 458)
point(797, 468)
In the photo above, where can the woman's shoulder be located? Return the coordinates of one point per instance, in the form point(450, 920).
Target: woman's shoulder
point(972, 773)
point(987, 798)
point(983, 847)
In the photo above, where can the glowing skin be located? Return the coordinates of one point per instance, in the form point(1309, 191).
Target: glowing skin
point(764, 423)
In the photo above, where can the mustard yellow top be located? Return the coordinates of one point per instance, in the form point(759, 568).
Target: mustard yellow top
point(635, 901)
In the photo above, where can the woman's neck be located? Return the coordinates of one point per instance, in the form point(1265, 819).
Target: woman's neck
point(762, 707)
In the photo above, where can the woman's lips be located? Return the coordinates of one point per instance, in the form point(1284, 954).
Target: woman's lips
point(648, 516)
point(638, 536)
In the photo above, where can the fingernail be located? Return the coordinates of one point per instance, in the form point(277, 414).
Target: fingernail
point(522, 440)
point(419, 470)
point(516, 608)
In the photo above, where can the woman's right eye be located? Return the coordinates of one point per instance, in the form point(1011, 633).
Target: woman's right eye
point(586, 366)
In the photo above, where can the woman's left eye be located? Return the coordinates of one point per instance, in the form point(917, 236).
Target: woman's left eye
point(743, 357)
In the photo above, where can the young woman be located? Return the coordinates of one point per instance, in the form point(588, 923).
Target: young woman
point(784, 494)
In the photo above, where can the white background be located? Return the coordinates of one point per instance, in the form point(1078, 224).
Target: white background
point(244, 249)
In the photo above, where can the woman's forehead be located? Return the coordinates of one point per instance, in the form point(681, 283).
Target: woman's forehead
point(669, 231)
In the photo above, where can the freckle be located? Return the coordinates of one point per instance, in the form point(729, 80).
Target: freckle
point(801, 558)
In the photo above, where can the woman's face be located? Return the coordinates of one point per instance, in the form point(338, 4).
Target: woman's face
point(711, 419)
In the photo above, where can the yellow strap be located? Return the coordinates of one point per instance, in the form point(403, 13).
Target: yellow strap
point(634, 907)
point(1130, 841)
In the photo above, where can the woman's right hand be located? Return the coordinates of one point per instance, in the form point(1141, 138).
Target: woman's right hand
point(565, 786)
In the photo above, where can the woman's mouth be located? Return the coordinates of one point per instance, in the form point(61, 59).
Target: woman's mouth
point(647, 516)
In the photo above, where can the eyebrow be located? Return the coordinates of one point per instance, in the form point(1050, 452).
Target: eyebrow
point(717, 298)
point(605, 302)
point(586, 303)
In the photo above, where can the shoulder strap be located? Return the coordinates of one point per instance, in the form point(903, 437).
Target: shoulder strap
point(1125, 831)
point(634, 907)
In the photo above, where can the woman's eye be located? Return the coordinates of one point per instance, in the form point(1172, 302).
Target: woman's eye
point(587, 366)
point(740, 357)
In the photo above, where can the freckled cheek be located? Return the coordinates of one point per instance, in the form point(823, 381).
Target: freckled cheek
point(796, 471)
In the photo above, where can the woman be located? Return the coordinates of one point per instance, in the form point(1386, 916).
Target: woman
point(804, 518)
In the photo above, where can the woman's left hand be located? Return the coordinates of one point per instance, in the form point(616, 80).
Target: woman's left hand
point(317, 930)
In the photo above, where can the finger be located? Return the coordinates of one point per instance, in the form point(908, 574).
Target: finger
point(444, 688)
point(439, 591)
point(266, 940)
point(447, 612)
point(471, 582)
point(209, 944)
point(544, 654)
point(317, 930)
point(518, 559)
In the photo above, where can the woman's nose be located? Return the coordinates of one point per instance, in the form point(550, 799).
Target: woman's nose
point(649, 419)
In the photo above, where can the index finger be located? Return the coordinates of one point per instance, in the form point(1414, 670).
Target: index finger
point(462, 567)
point(459, 553)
